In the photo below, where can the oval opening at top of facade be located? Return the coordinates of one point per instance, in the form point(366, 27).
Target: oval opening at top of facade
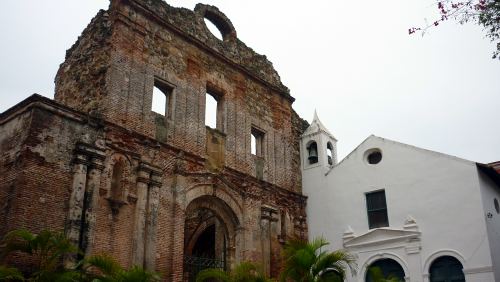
point(214, 29)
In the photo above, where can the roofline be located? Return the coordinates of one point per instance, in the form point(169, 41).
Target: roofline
point(403, 144)
point(490, 172)
point(35, 97)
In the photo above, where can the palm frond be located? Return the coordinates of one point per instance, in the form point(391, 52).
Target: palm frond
point(17, 240)
point(138, 274)
point(307, 261)
point(103, 265)
point(338, 261)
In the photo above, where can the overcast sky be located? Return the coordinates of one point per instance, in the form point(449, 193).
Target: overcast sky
point(353, 61)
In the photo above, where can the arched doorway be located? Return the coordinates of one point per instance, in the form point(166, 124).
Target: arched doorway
point(446, 269)
point(209, 236)
point(388, 268)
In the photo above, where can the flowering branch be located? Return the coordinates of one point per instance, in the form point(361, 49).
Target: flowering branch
point(484, 12)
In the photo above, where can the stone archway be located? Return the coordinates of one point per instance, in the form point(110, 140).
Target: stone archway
point(209, 235)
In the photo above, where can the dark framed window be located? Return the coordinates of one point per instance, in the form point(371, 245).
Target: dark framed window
point(376, 207)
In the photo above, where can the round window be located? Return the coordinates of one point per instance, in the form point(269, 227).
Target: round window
point(497, 207)
point(373, 156)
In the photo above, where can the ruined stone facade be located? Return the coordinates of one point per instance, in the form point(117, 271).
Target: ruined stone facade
point(157, 190)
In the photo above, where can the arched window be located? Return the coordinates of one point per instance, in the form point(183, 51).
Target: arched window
point(446, 269)
point(329, 153)
point(385, 269)
point(312, 150)
point(117, 188)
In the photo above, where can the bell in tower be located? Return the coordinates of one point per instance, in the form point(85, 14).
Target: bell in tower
point(313, 153)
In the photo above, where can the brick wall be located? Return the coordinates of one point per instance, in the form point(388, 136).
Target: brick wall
point(68, 150)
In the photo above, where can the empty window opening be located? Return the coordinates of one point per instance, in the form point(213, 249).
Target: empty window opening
point(159, 102)
point(210, 111)
point(214, 109)
point(213, 29)
point(162, 99)
point(329, 152)
point(257, 142)
point(253, 147)
point(312, 151)
point(376, 207)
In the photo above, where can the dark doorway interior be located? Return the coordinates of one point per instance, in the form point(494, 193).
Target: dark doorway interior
point(446, 269)
point(205, 245)
point(390, 269)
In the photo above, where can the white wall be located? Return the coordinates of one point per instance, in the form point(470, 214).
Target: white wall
point(489, 192)
point(440, 192)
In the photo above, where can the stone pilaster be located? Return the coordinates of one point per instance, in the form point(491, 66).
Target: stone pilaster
point(152, 219)
point(300, 227)
point(267, 219)
point(140, 214)
point(179, 199)
point(92, 200)
point(87, 167)
point(146, 216)
point(76, 199)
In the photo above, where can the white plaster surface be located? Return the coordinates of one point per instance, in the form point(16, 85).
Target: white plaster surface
point(444, 201)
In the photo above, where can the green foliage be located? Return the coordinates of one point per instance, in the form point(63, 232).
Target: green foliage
point(103, 268)
point(307, 262)
point(489, 18)
point(244, 272)
point(47, 250)
point(10, 274)
point(377, 275)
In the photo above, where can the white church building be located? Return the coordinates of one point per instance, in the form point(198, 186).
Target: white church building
point(415, 213)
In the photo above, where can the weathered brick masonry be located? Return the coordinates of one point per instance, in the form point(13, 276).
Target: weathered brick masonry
point(116, 177)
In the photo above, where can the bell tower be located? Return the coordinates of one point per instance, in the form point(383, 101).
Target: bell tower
point(318, 147)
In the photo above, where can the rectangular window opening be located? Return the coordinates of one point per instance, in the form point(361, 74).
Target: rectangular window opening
point(210, 111)
point(214, 112)
point(376, 207)
point(162, 102)
point(257, 142)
